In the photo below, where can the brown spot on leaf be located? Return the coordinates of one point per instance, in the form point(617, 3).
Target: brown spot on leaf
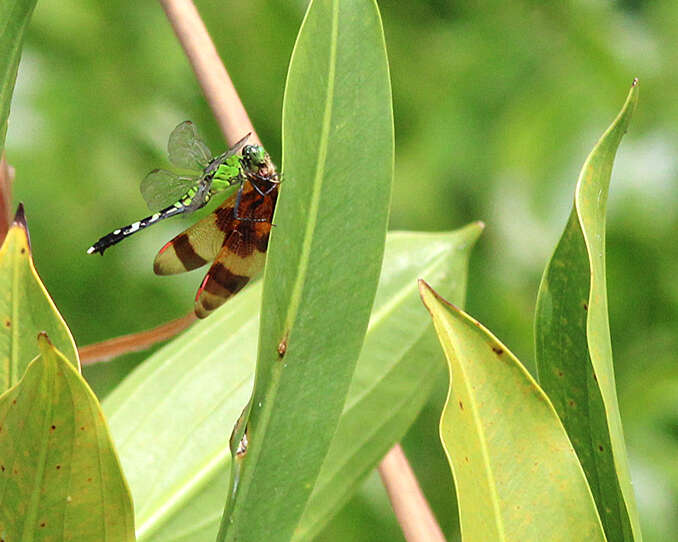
point(2, 468)
point(586, 306)
point(23, 250)
point(600, 447)
point(241, 451)
point(89, 479)
point(43, 524)
point(82, 428)
point(282, 347)
point(497, 350)
point(8, 323)
point(58, 467)
point(461, 405)
point(53, 428)
point(14, 402)
point(466, 459)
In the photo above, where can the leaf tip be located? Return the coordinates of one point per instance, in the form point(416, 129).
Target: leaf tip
point(20, 217)
point(424, 287)
point(475, 229)
point(44, 343)
point(20, 222)
point(427, 293)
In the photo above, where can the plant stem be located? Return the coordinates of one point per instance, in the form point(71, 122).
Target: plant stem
point(209, 70)
point(133, 342)
point(409, 504)
point(6, 178)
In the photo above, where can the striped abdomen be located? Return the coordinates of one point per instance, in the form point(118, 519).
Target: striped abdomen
point(192, 200)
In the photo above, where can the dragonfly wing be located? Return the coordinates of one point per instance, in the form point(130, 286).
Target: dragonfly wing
point(234, 149)
point(238, 248)
point(161, 188)
point(229, 274)
point(186, 149)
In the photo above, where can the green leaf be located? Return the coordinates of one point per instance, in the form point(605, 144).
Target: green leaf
point(516, 473)
point(25, 308)
point(60, 478)
point(323, 263)
point(573, 350)
point(14, 17)
point(172, 417)
point(181, 497)
point(398, 366)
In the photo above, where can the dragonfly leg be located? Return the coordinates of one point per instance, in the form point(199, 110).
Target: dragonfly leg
point(237, 204)
point(237, 200)
point(259, 191)
point(270, 189)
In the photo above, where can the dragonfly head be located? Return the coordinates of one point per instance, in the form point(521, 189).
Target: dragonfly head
point(254, 155)
point(257, 161)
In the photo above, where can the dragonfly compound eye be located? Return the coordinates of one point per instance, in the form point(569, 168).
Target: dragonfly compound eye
point(255, 154)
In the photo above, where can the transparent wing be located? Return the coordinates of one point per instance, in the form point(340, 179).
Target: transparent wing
point(185, 148)
point(161, 188)
point(234, 149)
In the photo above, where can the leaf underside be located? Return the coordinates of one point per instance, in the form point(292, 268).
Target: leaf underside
point(516, 474)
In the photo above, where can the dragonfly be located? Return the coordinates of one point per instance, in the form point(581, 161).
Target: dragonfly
point(234, 236)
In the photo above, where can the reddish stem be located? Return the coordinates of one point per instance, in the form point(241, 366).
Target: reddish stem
point(133, 342)
point(409, 504)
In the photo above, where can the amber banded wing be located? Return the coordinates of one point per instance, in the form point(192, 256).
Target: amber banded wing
point(238, 248)
point(242, 255)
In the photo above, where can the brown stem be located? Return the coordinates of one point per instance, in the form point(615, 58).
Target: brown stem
point(6, 178)
point(209, 70)
point(133, 342)
point(409, 504)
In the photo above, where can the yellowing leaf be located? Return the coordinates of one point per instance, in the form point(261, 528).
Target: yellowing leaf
point(25, 308)
point(60, 477)
point(517, 476)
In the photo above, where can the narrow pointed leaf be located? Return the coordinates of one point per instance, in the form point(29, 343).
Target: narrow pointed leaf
point(323, 262)
point(181, 498)
point(25, 308)
point(60, 478)
point(573, 350)
point(14, 18)
point(516, 474)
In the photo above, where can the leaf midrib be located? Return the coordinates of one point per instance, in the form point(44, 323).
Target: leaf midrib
point(30, 521)
point(302, 267)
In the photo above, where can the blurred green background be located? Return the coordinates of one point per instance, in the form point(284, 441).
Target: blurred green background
point(496, 107)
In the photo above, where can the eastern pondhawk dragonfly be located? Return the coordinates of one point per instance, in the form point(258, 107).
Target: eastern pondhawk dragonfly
point(234, 236)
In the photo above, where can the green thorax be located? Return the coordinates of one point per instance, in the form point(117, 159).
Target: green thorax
point(229, 171)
